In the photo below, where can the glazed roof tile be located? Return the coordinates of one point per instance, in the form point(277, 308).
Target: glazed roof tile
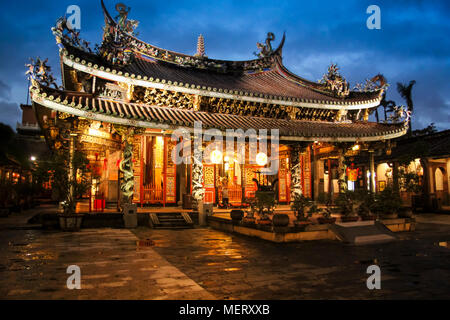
point(91, 105)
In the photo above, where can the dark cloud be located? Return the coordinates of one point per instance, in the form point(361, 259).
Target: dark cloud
point(5, 90)
point(10, 113)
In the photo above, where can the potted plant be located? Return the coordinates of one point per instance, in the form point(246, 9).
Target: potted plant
point(249, 218)
point(387, 203)
point(326, 215)
point(345, 203)
point(299, 206)
point(265, 204)
point(409, 182)
point(74, 188)
point(363, 203)
point(69, 189)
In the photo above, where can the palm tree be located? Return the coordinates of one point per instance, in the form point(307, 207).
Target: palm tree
point(388, 105)
point(405, 91)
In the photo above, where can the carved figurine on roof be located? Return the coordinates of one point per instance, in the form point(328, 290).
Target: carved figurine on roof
point(265, 50)
point(124, 24)
point(63, 32)
point(39, 71)
point(334, 82)
point(376, 83)
point(118, 37)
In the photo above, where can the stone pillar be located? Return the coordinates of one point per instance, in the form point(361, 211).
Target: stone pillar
point(372, 171)
point(317, 163)
point(395, 183)
point(431, 185)
point(296, 172)
point(425, 184)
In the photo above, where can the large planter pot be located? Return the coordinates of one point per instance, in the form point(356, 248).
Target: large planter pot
point(236, 215)
point(70, 222)
point(280, 220)
point(323, 220)
point(349, 218)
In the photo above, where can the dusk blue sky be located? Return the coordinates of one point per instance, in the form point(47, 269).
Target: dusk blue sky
point(413, 43)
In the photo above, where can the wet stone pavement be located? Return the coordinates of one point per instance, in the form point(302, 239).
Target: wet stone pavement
point(33, 265)
point(238, 267)
point(203, 263)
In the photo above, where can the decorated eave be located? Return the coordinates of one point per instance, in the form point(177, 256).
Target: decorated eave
point(147, 116)
point(129, 60)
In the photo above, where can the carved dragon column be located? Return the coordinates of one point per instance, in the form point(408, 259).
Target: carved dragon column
point(342, 168)
point(197, 173)
point(296, 171)
point(126, 164)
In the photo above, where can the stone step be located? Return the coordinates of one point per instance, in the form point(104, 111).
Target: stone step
point(170, 220)
point(362, 232)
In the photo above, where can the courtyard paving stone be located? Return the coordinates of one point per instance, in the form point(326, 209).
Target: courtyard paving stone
point(34, 264)
point(203, 263)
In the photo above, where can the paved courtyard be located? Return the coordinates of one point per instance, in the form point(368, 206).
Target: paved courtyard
point(203, 263)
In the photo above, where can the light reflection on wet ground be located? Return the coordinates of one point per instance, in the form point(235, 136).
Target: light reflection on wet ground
point(238, 267)
point(116, 265)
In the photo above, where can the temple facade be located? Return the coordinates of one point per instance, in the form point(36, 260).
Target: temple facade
point(125, 102)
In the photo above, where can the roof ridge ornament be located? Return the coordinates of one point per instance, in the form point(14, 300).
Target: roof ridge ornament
point(125, 24)
point(63, 33)
point(376, 83)
point(335, 82)
point(265, 50)
point(118, 36)
point(40, 73)
point(400, 114)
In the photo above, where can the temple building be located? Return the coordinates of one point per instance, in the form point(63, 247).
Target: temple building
point(122, 101)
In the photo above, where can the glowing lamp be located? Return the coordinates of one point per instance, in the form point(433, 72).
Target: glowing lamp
point(216, 157)
point(261, 159)
point(355, 147)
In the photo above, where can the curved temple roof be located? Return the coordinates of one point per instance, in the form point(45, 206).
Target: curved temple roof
point(86, 105)
point(265, 79)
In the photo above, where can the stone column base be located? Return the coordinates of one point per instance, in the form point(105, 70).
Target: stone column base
point(129, 215)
